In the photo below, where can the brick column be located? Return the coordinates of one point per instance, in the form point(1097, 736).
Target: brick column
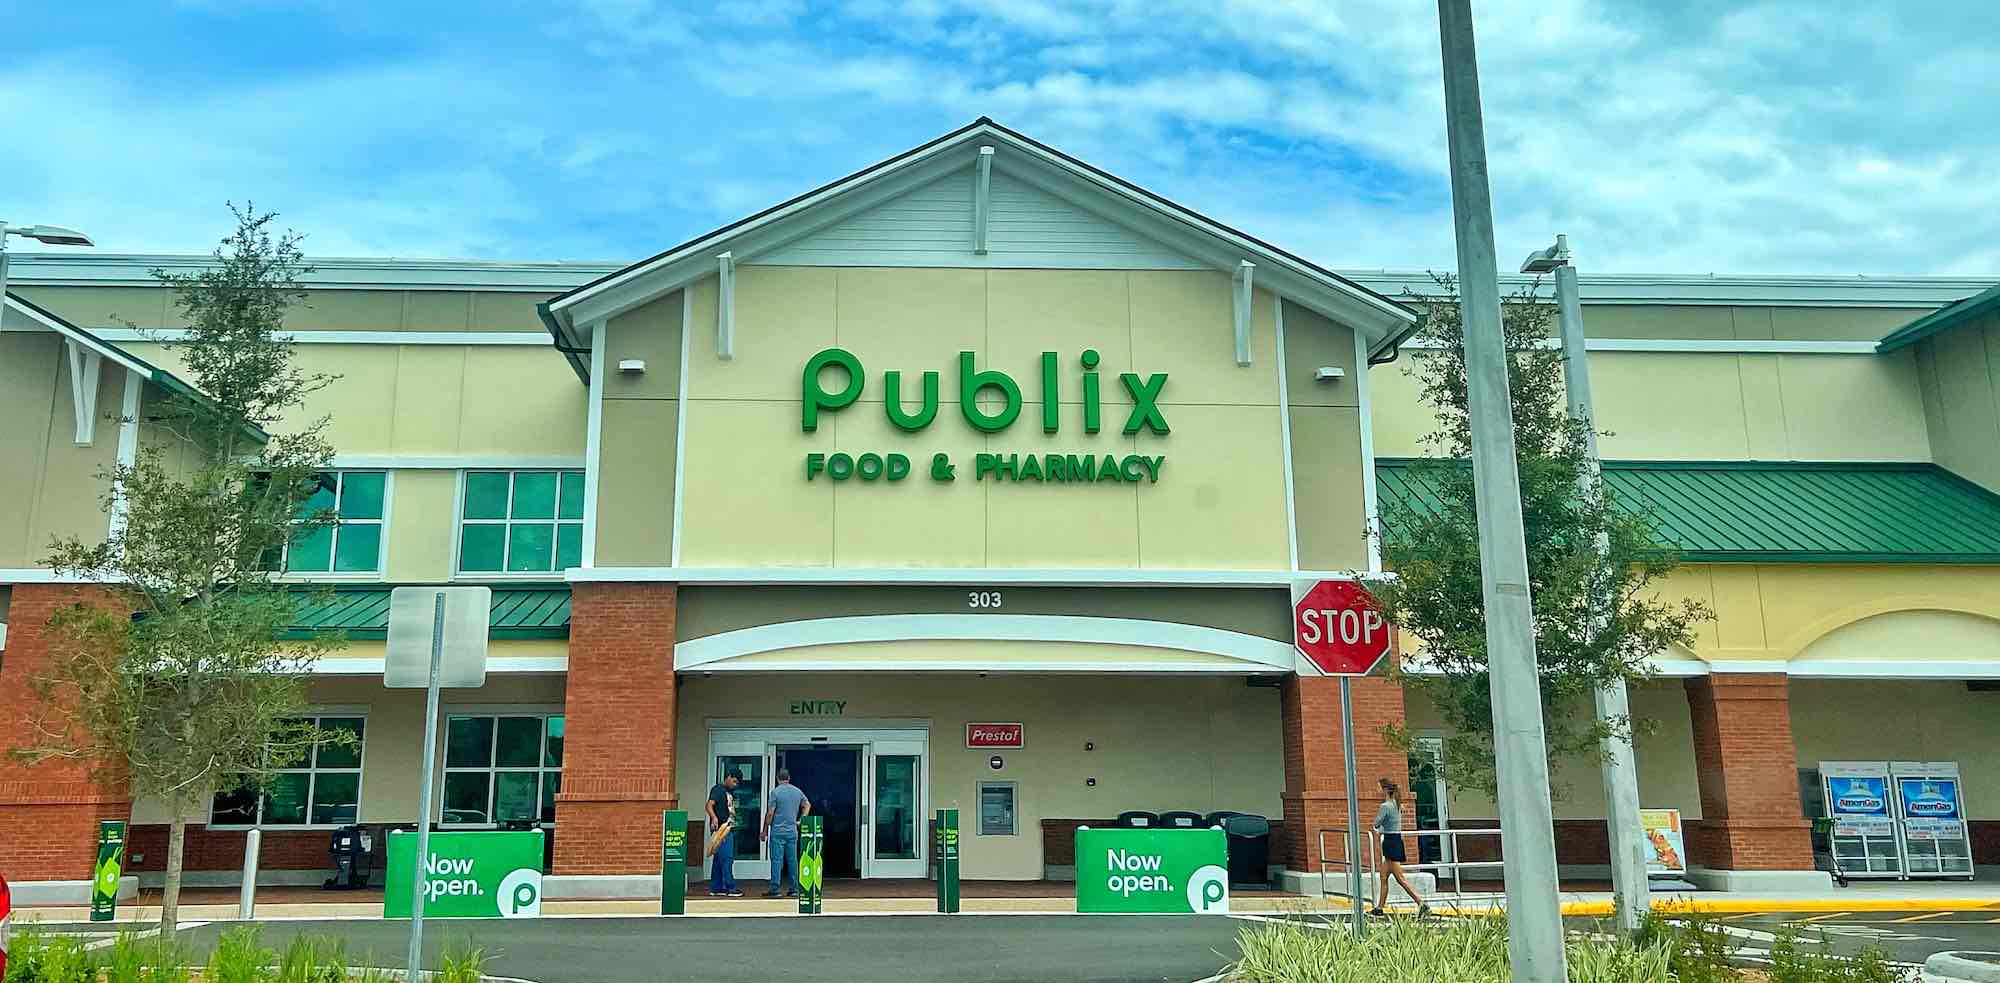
point(1748, 772)
point(1315, 771)
point(618, 745)
point(48, 812)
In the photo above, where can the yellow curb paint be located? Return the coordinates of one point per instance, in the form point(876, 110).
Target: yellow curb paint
point(1919, 918)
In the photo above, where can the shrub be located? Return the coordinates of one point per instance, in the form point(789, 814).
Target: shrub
point(461, 963)
point(1794, 963)
point(39, 957)
point(240, 957)
point(1698, 949)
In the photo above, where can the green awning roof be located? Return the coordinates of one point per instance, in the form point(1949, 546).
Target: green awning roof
point(519, 611)
point(1942, 319)
point(1782, 512)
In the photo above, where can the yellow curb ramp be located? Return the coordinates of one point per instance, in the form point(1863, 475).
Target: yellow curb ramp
point(1759, 906)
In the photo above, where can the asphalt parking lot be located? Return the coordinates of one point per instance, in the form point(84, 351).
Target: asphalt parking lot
point(1907, 936)
point(905, 949)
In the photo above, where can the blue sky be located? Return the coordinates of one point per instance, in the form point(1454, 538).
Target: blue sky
point(1794, 136)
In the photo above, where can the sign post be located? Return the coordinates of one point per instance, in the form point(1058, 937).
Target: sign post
point(1341, 631)
point(812, 851)
point(110, 869)
point(418, 654)
point(673, 862)
point(947, 861)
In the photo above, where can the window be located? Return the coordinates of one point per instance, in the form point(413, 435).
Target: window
point(521, 522)
point(353, 543)
point(501, 768)
point(321, 789)
point(996, 808)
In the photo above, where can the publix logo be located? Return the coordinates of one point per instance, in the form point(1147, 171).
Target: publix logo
point(518, 895)
point(1140, 873)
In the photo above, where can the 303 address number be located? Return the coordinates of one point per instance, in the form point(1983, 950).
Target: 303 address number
point(982, 599)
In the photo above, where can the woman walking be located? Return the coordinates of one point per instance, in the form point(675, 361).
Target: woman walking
point(1389, 823)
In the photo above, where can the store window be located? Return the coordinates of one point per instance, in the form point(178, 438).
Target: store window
point(322, 788)
point(501, 768)
point(996, 809)
point(353, 542)
point(521, 522)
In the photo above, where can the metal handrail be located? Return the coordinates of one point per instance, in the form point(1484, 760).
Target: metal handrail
point(1372, 855)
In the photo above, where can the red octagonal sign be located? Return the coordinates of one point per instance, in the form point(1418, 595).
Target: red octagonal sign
point(1338, 626)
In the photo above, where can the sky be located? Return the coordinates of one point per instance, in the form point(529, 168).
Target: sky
point(1663, 136)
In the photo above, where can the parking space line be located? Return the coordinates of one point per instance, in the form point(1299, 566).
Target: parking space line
point(1738, 918)
point(1918, 918)
point(1830, 914)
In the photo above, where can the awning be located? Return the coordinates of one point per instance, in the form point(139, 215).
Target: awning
point(362, 612)
point(1786, 512)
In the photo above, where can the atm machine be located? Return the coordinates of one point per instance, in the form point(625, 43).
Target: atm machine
point(1930, 818)
point(1865, 837)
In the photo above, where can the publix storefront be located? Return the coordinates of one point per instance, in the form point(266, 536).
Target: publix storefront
point(982, 480)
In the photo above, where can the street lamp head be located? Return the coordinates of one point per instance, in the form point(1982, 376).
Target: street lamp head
point(1547, 260)
point(54, 235)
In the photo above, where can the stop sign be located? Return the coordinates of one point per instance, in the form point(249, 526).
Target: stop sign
point(1337, 625)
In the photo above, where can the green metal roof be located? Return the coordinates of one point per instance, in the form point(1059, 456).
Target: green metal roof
point(1942, 319)
point(362, 612)
point(1787, 512)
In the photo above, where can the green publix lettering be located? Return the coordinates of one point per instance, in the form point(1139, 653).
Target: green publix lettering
point(1145, 392)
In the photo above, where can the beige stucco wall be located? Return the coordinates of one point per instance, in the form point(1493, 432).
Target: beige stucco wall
point(322, 310)
point(1779, 611)
point(1219, 502)
point(1960, 373)
point(391, 770)
point(1717, 406)
point(638, 433)
point(49, 486)
point(1161, 743)
point(1935, 720)
point(1742, 323)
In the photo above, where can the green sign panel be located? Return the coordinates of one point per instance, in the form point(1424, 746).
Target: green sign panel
point(673, 862)
point(947, 861)
point(110, 869)
point(1152, 871)
point(990, 401)
point(812, 863)
point(468, 875)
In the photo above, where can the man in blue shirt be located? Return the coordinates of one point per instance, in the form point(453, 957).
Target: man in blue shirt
point(781, 834)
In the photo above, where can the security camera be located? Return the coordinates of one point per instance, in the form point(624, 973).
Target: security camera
point(1329, 373)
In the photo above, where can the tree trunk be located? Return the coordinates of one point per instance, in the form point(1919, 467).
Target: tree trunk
point(170, 900)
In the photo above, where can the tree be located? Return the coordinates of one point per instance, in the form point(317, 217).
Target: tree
point(181, 684)
point(1431, 540)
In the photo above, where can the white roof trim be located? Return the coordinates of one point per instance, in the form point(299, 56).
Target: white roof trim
point(954, 576)
point(81, 337)
point(1246, 653)
point(1288, 276)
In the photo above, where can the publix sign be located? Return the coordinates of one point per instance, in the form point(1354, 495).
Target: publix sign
point(990, 401)
point(468, 875)
point(1152, 871)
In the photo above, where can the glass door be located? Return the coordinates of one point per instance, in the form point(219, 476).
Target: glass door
point(894, 833)
point(749, 761)
point(1427, 793)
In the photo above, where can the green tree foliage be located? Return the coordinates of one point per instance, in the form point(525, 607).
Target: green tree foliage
point(180, 685)
point(1432, 545)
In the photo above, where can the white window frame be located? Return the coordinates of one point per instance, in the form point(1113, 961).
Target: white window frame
point(359, 771)
point(492, 769)
point(1014, 815)
point(506, 537)
point(382, 540)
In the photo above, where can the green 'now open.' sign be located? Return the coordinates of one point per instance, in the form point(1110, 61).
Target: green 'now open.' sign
point(468, 875)
point(1152, 871)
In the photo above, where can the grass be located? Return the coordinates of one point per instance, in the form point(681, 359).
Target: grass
point(1474, 950)
point(35, 956)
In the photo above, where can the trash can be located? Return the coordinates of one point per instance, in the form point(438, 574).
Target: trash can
point(1136, 819)
point(1216, 818)
point(1182, 819)
point(1249, 839)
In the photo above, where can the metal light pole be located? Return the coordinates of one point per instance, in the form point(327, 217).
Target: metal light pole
point(1528, 850)
point(54, 235)
point(1621, 776)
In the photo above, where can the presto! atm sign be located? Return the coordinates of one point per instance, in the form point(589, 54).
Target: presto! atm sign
point(1152, 871)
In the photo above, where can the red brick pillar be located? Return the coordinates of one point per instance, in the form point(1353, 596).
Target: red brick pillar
point(1748, 772)
point(48, 812)
point(1315, 772)
point(618, 744)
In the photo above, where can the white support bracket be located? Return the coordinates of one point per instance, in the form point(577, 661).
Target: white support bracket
point(1244, 269)
point(128, 445)
point(982, 196)
point(725, 306)
point(84, 366)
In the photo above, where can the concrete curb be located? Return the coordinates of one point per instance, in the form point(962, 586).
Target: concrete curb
point(1952, 967)
point(1758, 906)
